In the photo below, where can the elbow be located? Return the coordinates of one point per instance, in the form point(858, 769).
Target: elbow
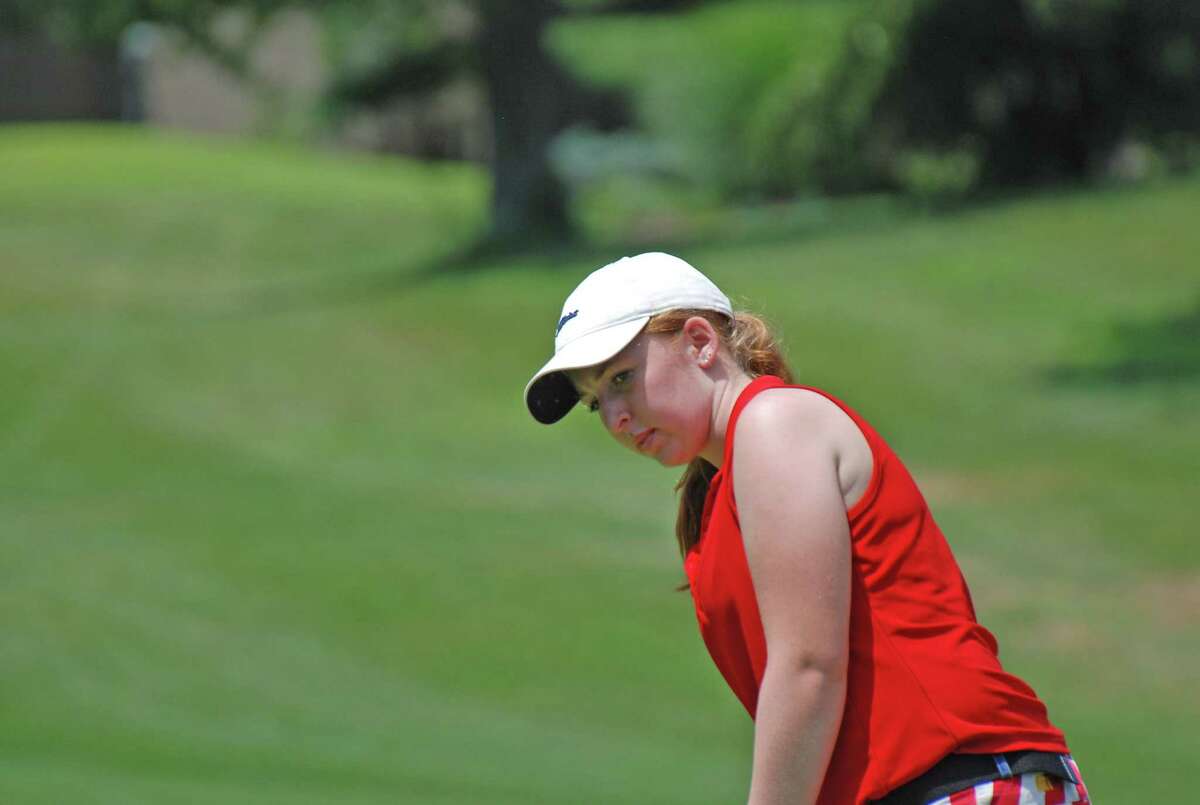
point(825, 668)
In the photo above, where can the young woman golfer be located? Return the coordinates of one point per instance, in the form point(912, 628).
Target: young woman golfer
point(825, 592)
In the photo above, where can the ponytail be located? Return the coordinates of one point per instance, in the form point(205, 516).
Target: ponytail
point(756, 350)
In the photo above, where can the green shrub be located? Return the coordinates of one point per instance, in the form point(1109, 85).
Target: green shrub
point(938, 178)
point(720, 87)
point(1049, 89)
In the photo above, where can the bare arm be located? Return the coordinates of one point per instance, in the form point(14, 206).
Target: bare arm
point(798, 547)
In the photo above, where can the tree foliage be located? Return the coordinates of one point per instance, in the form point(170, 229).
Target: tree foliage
point(995, 93)
point(939, 98)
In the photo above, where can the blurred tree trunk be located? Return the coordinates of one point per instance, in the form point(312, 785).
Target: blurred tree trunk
point(530, 95)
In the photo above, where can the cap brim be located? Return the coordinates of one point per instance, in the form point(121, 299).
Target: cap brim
point(551, 394)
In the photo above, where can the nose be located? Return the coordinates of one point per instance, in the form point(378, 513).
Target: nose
point(616, 416)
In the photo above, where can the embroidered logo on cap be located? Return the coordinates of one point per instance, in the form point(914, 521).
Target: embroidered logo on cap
point(563, 321)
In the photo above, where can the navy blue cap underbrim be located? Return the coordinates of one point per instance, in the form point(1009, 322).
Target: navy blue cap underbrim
point(550, 397)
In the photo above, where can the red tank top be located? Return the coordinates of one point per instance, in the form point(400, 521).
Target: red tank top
point(924, 678)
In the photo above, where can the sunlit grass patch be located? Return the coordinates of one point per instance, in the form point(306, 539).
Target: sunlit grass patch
point(319, 551)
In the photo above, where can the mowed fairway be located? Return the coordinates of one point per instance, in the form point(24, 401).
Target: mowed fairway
point(276, 528)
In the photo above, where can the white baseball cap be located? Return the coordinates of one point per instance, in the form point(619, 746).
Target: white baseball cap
point(606, 311)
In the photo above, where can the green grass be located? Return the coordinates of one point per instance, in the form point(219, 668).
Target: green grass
point(318, 552)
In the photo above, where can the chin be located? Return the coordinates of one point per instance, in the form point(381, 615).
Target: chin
point(672, 459)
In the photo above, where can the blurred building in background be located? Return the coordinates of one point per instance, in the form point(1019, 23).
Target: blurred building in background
point(155, 76)
point(183, 89)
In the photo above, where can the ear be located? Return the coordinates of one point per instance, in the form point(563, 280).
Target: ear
point(700, 341)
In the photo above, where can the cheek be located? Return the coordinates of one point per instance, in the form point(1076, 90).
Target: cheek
point(684, 441)
point(663, 399)
point(678, 406)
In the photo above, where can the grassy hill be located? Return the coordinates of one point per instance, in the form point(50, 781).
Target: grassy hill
point(275, 527)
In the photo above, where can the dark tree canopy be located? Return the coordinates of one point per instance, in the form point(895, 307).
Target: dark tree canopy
point(1039, 91)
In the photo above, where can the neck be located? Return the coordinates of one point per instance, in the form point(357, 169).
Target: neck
point(728, 387)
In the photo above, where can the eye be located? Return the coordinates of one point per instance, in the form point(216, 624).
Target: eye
point(621, 379)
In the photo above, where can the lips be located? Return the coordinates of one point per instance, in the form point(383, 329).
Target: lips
point(642, 439)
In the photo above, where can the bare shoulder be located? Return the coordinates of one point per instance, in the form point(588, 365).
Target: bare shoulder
point(811, 425)
point(792, 412)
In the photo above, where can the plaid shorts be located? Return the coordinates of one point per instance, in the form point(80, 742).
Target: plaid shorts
point(1028, 789)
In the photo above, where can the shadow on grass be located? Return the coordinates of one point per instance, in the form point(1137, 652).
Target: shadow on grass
point(340, 290)
point(730, 228)
point(1163, 350)
point(737, 228)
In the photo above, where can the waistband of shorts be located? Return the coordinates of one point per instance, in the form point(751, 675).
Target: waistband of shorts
point(958, 772)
